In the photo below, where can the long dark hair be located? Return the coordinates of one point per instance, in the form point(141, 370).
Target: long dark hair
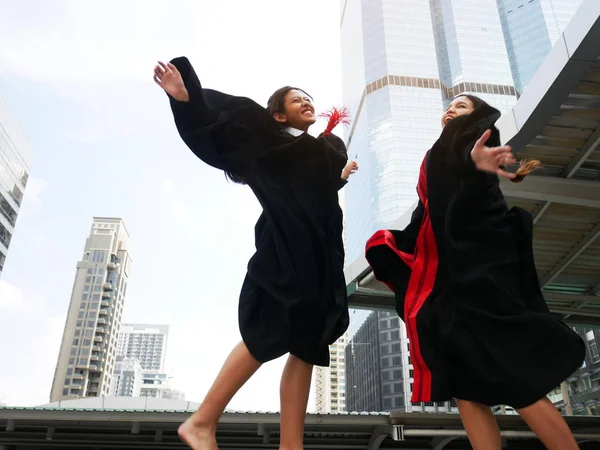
point(275, 104)
point(526, 166)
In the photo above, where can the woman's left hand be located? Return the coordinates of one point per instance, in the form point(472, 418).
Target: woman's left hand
point(351, 167)
point(490, 159)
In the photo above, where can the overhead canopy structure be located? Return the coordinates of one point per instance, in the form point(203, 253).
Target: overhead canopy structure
point(103, 423)
point(557, 120)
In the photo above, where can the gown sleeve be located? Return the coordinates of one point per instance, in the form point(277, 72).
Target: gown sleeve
point(390, 253)
point(337, 158)
point(226, 132)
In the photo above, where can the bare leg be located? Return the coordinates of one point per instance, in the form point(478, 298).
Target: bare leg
point(198, 431)
point(480, 424)
point(294, 390)
point(545, 420)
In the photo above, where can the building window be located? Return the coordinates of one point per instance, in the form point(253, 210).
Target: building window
point(595, 357)
point(99, 256)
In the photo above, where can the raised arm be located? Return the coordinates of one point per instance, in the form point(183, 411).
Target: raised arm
point(225, 131)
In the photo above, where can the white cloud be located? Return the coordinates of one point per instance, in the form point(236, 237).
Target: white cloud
point(91, 42)
point(36, 355)
point(11, 297)
point(33, 192)
point(168, 186)
point(29, 358)
point(178, 206)
point(88, 134)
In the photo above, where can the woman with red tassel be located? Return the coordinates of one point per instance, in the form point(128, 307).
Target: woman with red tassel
point(293, 299)
point(466, 287)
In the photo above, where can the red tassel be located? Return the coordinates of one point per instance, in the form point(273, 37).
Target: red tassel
point(336, 116)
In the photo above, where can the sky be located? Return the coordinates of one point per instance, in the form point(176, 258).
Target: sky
point(77, 77)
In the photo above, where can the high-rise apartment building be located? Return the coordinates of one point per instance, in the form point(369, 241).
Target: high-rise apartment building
point(330, 382)
point(88, 350)
point(157, 385)
point(127, 378)
point(147, 343)
point(16, 158)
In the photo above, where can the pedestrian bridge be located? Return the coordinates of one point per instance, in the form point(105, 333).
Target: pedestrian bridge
point(105, 423)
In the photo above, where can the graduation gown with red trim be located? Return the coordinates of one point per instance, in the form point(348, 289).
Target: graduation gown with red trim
point(294, 295)
point(466, 285)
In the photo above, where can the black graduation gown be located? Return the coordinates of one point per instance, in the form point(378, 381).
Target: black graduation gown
point(294, 295)
point(466, 285)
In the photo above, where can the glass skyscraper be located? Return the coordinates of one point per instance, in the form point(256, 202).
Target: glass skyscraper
point(531, 28)
point(16, 158)
point(402, 61)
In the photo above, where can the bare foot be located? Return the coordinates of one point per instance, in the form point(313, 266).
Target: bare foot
point(197, 437)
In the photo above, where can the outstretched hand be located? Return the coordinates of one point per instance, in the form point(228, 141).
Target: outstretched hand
point(349, 169)
point(168, 77)
point(490, 159)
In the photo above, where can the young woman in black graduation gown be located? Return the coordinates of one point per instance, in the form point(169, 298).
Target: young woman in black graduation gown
point(293, 299)
point(466, 287)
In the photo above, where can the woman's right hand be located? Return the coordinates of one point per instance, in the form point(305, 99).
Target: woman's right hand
point(168, 77)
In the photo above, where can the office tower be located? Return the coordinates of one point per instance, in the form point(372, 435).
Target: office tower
point(330, 382)
point(583, 387)
point(16, 158)
point(88, 350)
point(379, 371)
point(146, 343)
